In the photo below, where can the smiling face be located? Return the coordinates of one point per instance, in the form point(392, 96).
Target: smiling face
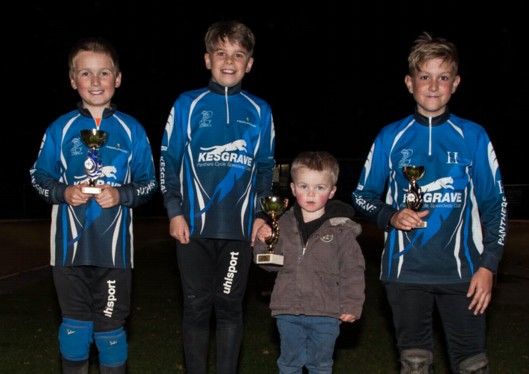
point(432, 86)
point(312, 189)
point(95, 79)
point(228, 63)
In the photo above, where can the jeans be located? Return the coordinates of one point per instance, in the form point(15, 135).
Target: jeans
point(307, 341)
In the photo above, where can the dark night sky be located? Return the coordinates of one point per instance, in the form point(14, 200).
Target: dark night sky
point(325, 70)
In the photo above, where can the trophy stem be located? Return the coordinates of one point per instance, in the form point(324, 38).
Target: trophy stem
point(272, 240)
point(93, 139)
point(414, 196)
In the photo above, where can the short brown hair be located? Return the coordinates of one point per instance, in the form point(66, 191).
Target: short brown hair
point(233, 31)
point(316, 160)
point(97, 45)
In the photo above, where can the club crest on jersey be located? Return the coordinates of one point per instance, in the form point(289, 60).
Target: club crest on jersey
point(77, 148)
point(205, 121)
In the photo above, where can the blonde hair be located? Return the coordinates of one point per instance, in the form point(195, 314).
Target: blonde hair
point(427, 47)
point(318, 161)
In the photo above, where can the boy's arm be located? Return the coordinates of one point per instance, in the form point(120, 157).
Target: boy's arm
point(367, 199)
point(492, 203)
point(265, 161)
point(171, 155)
point(144, 183)
point(44, 173)
point(352, 271)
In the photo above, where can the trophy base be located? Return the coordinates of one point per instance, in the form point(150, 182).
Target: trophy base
point(422, 225)
point(269, 259)
point(91, 190)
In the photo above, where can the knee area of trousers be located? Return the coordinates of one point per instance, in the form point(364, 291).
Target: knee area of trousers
point(112, 347)
point(477, 364)
point(75, 338)
point(416, 361)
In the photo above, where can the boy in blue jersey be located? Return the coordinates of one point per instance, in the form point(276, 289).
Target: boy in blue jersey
point(217, 160)
point(92, 251)
point(450, 263)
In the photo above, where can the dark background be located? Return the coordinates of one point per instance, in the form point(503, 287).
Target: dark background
point(334, 75)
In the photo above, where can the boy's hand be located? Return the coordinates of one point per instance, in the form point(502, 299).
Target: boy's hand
point(260, 230)
point(108, 197)
point(407, 219)
point(347, 318)
point(480, 290)
point(74, 196)
point(179, 229)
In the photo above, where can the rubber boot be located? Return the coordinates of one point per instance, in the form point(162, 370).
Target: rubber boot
point(74, 367)
point(416, 361)
point(228, 347)
point(196, 349)
point(478, 364)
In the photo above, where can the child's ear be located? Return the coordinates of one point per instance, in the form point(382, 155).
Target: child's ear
point(207, 60)
point(118, 81)
point(457, 80)
point(73, 84)
point(293, 188)
point(333, 191)
point(408, 82)
point(249, 65)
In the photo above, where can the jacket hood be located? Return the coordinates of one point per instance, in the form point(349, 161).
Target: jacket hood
point(336, 212)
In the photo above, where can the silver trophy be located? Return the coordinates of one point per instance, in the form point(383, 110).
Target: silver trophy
point(273, 206)
point(93, 139)
point(414, 196)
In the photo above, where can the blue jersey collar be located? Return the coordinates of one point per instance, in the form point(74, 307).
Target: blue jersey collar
point(221, 90)
point(435, 121)
point(86, 113)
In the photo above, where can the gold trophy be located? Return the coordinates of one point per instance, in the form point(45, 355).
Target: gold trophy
point(273, 206)
point(93, 139)
point(414, 196)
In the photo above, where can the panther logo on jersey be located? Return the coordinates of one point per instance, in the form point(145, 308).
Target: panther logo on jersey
point(237, 145)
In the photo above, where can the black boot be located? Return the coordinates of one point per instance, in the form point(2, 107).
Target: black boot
point(478, 364)
point(229, 341)
point(416, 361)
point(74, 367)
point(196, 349)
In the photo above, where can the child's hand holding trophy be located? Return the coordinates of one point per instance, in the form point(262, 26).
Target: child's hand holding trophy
point(273, 206)
point(93, 139)
point(414, 196)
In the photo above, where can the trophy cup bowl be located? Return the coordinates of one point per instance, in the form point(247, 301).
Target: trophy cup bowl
point(93, 139)
point(414, 196)
point(273, 206)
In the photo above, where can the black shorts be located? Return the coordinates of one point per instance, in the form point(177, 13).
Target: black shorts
point(89, 293)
